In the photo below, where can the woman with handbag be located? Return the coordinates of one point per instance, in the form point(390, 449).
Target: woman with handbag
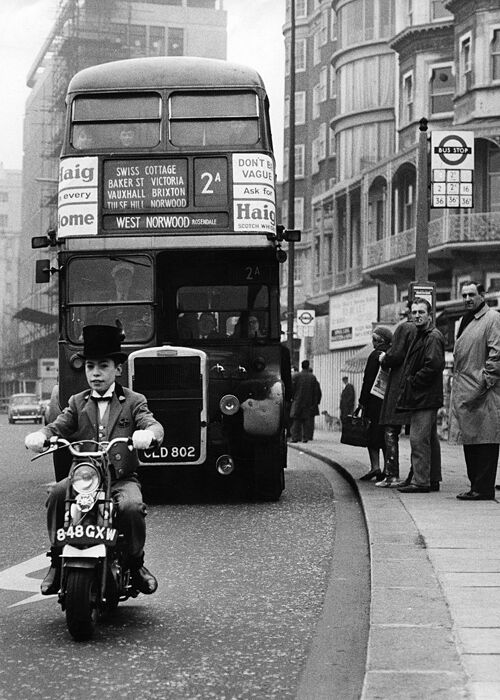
point(370, 404)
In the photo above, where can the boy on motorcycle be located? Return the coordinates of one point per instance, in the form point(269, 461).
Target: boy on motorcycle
point(107, 411)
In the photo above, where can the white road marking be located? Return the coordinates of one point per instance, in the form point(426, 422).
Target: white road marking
point(16, 578)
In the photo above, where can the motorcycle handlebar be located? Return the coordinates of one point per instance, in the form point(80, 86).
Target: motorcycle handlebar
point(103, 447)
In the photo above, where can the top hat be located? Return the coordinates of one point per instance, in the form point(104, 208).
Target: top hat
point(102, 341)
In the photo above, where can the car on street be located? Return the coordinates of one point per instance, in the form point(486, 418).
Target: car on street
point(24, 407)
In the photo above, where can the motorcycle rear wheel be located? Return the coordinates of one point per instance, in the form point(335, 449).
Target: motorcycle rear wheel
point(81, 603)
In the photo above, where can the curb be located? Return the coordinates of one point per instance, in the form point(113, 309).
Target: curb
point(412, 648)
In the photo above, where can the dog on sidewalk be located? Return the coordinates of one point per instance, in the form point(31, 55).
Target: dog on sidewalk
point(331, 422)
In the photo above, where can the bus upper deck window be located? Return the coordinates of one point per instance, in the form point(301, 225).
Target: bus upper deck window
point(113, 135)
point(116, 121)
point(232, 132)
point(227, 119)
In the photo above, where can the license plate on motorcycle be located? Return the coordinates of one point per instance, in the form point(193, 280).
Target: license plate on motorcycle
point(87, 535)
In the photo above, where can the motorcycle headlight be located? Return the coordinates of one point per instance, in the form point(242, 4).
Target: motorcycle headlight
point(85, 478)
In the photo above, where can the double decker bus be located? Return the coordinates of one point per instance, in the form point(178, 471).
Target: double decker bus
point(167, 228)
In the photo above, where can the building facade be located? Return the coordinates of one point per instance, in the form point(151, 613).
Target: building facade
point(88, 32)
point(396, 62)
point(10, 234)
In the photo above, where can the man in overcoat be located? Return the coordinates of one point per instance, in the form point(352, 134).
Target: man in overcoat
point(347, 399)
point(422, 395)
point(475, 398)
point(306, 397)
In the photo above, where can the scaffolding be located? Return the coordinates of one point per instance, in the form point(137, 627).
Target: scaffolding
point(84, 33)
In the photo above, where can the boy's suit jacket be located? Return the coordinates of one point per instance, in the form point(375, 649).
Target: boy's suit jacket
point(128, 411)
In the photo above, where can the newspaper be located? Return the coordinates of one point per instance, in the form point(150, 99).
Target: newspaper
point(380, 383)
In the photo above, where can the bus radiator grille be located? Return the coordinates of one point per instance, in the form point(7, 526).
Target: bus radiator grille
point(172, 377)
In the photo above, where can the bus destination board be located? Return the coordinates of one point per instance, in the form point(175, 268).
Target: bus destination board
point(144, 184)
point(169, 195)
point(154, 195)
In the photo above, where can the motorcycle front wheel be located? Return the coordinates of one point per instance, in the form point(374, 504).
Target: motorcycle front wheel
point(81, 603)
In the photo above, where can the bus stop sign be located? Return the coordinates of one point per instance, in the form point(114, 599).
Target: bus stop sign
point(305, 323)
point(452, 168)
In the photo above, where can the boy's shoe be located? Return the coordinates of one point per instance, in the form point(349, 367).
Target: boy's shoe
point(143, 580)
point(435, 486)
point(50, 584)
point(52, 579)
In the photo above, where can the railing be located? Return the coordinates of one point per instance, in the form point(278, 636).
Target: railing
point(452, 228)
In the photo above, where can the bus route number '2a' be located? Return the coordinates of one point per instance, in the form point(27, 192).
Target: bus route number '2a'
point(210, 185)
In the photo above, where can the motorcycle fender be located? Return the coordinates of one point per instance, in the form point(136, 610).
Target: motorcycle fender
point(89, 555)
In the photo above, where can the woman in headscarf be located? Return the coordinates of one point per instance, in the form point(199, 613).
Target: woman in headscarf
point(370, 404)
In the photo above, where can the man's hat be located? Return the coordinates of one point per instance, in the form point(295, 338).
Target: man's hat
point(102, 341)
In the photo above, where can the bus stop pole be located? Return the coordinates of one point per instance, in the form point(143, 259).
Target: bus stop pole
point(291, 186)
point(422, 217)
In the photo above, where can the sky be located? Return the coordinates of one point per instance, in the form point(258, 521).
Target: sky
point(254, 38)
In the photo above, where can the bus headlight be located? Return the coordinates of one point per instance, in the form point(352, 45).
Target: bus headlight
point(85, 478)
point(229, 405)
point(76, 361)
point(225, 465)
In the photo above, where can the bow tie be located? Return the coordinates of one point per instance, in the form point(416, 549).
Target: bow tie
point(101, 398)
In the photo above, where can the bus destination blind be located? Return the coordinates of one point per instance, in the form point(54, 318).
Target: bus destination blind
point(145, 195)
point(166, 195)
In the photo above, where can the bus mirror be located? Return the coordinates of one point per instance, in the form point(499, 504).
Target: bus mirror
point(292, 235)
point(42, 271)
point(40, 242)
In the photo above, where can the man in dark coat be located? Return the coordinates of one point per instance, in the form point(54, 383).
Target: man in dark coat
point(306, 396)
point(347, 399)
point(422, 395)
point(391, 419)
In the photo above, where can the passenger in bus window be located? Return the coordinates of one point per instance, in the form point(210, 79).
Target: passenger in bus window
point(82, 138)
point(127, 136)
point(187, 325)
point(123, 276)
point(142, 326)
point(248, 326)
point(242, 132)
point(254, 328)
point(207, 324)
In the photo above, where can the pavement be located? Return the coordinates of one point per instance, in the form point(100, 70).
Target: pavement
point(435, 580)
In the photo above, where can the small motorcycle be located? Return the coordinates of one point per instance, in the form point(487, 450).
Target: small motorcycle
point(94, 573)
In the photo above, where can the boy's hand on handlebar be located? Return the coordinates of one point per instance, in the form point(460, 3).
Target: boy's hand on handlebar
point(36, 441)
point(142, 439)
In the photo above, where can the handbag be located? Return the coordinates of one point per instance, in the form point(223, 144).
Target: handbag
point(355, 430)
